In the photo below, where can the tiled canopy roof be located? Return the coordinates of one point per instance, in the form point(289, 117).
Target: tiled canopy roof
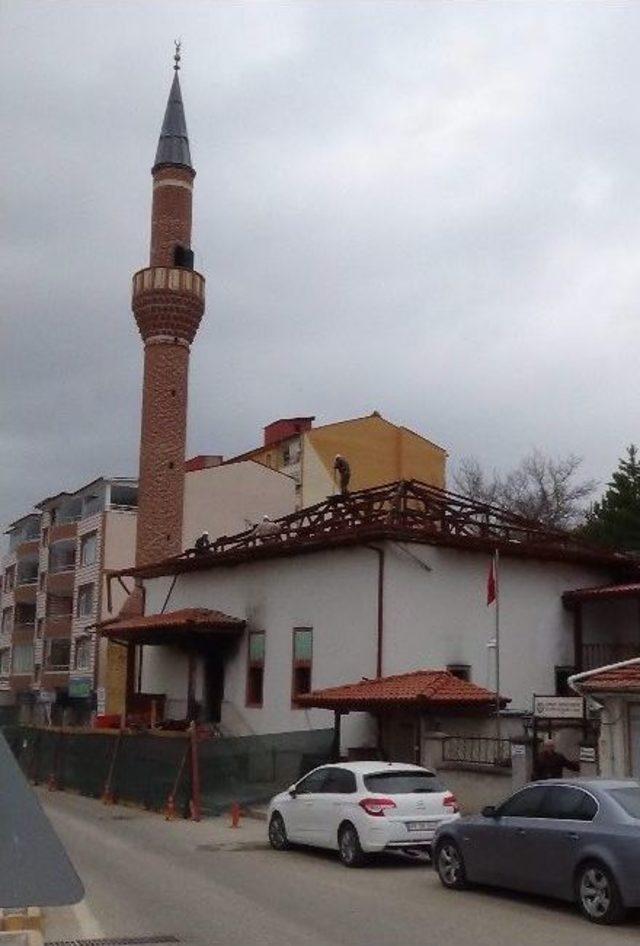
point(439, 689)
point(602, 592)
point(160, 628)
point(624, 677)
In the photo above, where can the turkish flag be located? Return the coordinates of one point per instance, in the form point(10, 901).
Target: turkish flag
point(491, 582)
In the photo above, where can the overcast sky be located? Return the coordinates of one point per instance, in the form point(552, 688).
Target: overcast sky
point(427, 209)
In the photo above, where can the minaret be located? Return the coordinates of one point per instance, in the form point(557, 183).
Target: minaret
point(168, 302)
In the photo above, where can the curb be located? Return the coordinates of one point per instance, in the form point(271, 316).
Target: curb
point(256, 814)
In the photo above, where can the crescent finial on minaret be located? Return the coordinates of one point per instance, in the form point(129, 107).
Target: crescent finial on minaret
point(176, 57)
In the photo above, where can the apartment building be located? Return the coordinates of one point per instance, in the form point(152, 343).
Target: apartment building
point(377, 451)
point(53, 585)
point(51, 661)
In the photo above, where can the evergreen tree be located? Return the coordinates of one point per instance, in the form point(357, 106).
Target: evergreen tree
point(615, 520)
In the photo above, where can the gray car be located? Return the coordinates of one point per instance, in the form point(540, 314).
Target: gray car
point(575, 839)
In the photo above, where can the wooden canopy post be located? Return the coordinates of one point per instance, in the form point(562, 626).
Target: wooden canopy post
point(335, 746)
point(191, 686)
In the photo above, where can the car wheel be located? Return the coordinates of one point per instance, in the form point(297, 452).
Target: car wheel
point(450, 865)
point(598, 895)
point(278, 833)
point(351, 853)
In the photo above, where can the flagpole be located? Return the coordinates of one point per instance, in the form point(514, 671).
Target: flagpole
point(496, 560)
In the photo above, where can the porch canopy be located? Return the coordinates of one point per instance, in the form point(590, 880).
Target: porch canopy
point(419, 690)
point(620, 678)
point(602, 593)
point(172, 627)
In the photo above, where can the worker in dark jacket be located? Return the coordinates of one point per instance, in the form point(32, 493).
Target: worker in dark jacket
point(550, 763)
point(342, 468)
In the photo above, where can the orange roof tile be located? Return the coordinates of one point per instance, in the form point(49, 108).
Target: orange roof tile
point(437, 688)
point(625, 677)
point(159, 626)
point(628, 590)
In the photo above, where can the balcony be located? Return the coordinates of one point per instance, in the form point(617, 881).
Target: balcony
point(23, 632)
point(600, 655)
point(58, 625)
point(27, 573)
point(28, 533)
point(62, 564)
point(63, 530)
point(65, 562)
point(174, 279)
point(26, 581)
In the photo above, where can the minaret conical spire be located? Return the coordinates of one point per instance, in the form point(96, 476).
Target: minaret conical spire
point(173, 144)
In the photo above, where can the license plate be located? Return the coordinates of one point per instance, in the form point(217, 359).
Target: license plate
point(419, 826)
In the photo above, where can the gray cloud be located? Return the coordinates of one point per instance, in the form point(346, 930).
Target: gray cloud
point(428, 209)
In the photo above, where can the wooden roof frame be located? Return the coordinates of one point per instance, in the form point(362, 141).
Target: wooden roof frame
point(406, 511)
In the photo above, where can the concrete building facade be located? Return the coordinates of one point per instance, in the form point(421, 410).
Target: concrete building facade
point(54, 595)
point(377, 451)
point(376, 584)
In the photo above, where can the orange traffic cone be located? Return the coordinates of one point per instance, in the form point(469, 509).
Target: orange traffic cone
point(235, 815)
point(170, 809)
point(108, 797)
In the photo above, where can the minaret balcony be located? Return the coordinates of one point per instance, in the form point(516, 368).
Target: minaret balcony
point(169, 278)
point(168, 302)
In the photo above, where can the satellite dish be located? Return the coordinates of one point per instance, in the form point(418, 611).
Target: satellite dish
point(34, 866)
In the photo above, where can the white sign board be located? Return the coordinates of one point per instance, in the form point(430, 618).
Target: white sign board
point(587, 754)
point(101, 701)
point(558, 707)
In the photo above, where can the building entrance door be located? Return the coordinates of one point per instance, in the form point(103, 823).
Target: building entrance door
point(634, 738)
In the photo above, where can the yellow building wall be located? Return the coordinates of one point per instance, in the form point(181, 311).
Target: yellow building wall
point(119, 552)
point(378, 452)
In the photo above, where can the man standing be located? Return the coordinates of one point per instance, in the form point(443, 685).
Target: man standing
point(550, 763)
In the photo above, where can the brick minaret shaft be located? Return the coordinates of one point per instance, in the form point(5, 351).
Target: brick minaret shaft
point(168, 302)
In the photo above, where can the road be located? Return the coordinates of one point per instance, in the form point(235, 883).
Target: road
point(207, 884)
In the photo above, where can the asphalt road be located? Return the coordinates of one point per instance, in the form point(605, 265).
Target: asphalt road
point(207, 884)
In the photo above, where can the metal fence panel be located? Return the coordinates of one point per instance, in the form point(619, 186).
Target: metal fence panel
point(146, 768)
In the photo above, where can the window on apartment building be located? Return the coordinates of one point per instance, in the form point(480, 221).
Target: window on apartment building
point(23, 658)
point(83, 654)
point(461, 671)
point(302, 660)
point(7, 617)
point(84, 606)
point(255, 668)
point(562, 675)
point(291, 453)
point(5, 661)
point(89, 548)
point(10, 578)
point(58, 652)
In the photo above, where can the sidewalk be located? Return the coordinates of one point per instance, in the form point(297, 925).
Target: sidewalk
point(179, 836)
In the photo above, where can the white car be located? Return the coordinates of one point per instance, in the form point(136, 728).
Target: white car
point(358, 808)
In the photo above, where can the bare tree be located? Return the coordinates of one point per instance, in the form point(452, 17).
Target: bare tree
point(539, 488)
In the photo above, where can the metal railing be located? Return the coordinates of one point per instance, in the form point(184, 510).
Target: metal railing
point(602, 654)
point(27, 576)
point(62, 563)
point(477, 750)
